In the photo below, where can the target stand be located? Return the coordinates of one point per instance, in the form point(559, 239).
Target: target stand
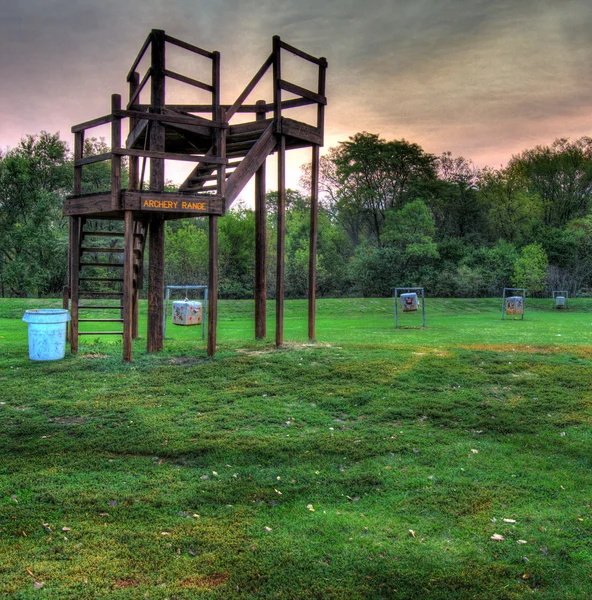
point(187, 288)
point(409, 296)
point(514, 304)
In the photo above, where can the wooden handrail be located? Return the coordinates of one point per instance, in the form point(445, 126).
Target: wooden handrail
point(250, 87)
point(92, 123)
point(188, 80)
point(181, 119)
point(186, 46)
point(169, 156)
point(139, 57)
point(89, 160)
point(140, 87)
point(200, 108)
point(322, 62)
point(300, 91)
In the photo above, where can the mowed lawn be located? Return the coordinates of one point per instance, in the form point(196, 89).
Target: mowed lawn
point(376, 463)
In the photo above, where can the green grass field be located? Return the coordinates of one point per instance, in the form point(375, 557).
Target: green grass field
point(376, 463)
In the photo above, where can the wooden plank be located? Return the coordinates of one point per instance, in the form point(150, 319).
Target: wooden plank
point(135, 132)
point(100, 264)
point(241, 175)
point(81, 127)
point(100, 333)
point(190, 47)
point(312, 254)
point(250, 86)
point(86, 205)
point(212, 285)
point(188, 80)
point(260, 125)
point(66, 306)
point(104, 321)
point(221, 151)
point(75, 227)
point(170, 115)
point(161, 155)
point(89, 160)
point(281, 242)
point(293, 103)
point(301, 91)
point(103, 234)
point(305, 55)
point(140, 243)
point(302, 131)
point(260, 242)
point(116, 160)
point(109, 250)
point(321, 107)
point(140, 56)
point(128, 286)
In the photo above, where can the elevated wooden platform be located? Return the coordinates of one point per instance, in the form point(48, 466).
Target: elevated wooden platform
point(226, 155)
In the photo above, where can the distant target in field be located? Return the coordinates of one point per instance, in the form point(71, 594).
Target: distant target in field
point(560, 299)
point(513, 304)
point(409, 300)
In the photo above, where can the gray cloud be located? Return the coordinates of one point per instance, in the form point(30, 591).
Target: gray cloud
point(483, 78)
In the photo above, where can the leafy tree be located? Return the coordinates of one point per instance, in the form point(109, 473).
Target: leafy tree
point(34, 178)
point(377, 176)
point(531, 269)
point(561, 176)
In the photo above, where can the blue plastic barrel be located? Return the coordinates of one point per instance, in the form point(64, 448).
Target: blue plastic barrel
point(47, 333)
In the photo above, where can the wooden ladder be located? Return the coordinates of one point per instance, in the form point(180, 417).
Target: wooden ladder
point(97, 276)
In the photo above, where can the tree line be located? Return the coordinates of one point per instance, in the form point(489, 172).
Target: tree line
point(390, 215)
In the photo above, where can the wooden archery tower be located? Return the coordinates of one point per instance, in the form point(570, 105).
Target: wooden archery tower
point(226, 154)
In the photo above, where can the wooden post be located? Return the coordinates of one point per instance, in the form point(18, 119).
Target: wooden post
point(213, 285)
point(66, 306)
point(281, 242)
point(312, 257)
point(134, 161)
point(75, 225)
point(215, 85)
point(277, 76)
point(157, 143)
point(116, 158)
point(128, 285)
point(260, 242)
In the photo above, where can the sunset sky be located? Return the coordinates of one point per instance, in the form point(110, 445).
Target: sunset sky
point(482, 78)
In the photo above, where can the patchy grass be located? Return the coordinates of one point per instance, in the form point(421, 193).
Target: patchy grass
point(377, 463)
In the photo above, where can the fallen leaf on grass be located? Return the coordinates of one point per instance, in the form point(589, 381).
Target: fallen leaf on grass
point(38, 585)
point(268, 529)
point(164, 533)
point(310, 507)
point(13, 497)
point(496, 537)
point(509, 520)
point(521, 542)
point(474, 451)
point(412, 533)
point(65, 529)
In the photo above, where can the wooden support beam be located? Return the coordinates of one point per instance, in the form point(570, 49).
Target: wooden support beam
point(301, 91)
point(213, 285)
point(128, 285)
point(75, 227)
point(281, 242)
point(78, 154)
point(277, 78)
point(156, 240)
point(312, 257)
point(260, 243)
point(184, 79)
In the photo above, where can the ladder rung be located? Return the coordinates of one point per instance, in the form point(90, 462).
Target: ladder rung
point(97, 264)
point(100, 293)
point(91, 307)
point(100, 333)
point(100, 320)
point(207, 187)
point(110, 250)
point(100, 279)
point(103, 234)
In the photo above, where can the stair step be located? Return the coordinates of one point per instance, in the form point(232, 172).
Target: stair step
point(100, 320)
point(98, 264)
point(100, 333)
